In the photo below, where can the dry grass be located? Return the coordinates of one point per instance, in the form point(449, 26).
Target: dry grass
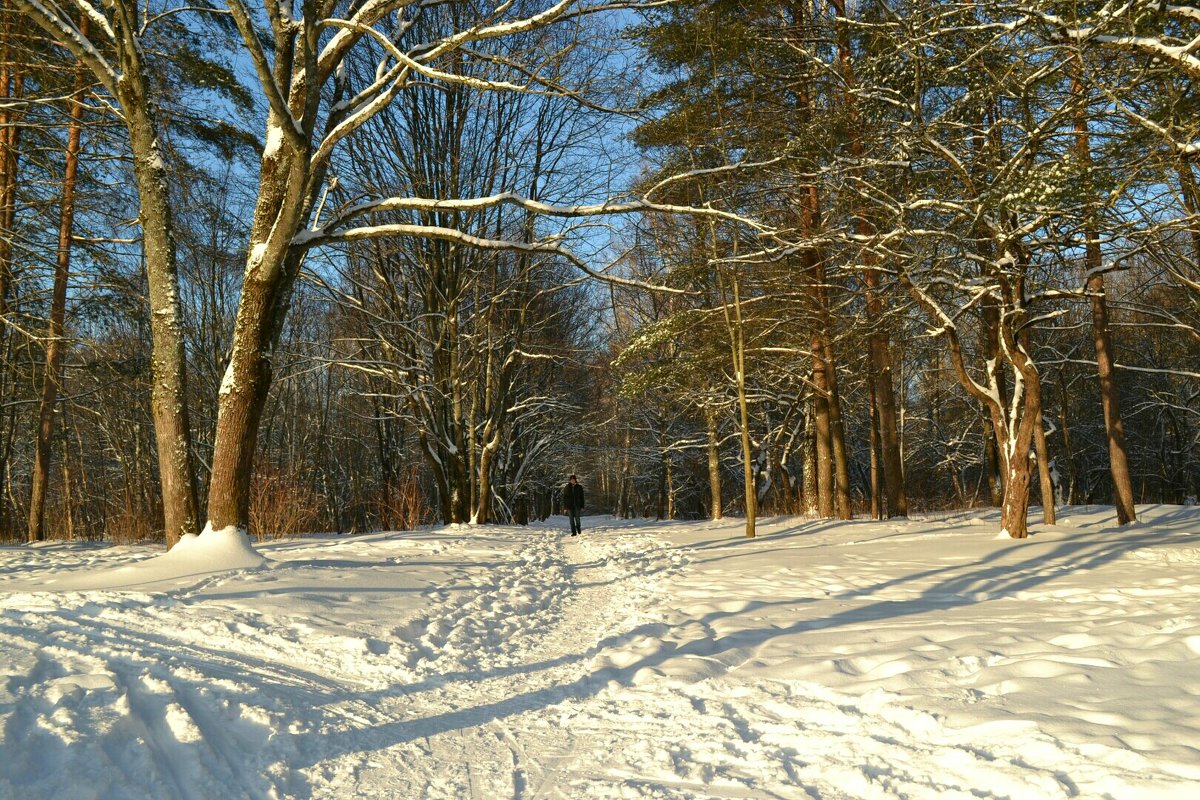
point(282, 504)
point(403, 506)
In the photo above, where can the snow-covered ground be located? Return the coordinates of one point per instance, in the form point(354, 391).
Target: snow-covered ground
point(920, 659)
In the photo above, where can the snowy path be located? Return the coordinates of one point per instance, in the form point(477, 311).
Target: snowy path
point(196, 693)
point(869, 660)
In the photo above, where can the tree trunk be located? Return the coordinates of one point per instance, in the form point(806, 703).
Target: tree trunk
point(241, 402)
point(1118, 459)
point(824, 447)
point(881, 366)
point(873, 445)
point(12, 82)
point(810, 490)
point(837, 433)
point(991, 463)
point(286, 193)
point(738, 344)
point(1043, 459)
point(889, 437)
point(169, 397)
point(55, 351)
point(1109, 400)
point(623, 504)
point(1070, 496)
point(662, 473)
point(714, 466)
point(1014, 513)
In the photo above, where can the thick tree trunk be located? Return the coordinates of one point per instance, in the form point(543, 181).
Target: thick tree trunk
point(169, 397)
point(1014, 513)
point(286, 192)
point(241, 401)
point(483, 498)
point(55, 351)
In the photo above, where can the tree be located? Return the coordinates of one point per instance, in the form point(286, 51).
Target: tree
point(55, 350)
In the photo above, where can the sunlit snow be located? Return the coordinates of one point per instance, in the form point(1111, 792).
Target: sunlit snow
point(906, 659)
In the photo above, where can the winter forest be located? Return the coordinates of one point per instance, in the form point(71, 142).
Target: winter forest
point(360, 266)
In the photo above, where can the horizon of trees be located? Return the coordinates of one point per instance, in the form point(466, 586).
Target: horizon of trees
point(860, 260)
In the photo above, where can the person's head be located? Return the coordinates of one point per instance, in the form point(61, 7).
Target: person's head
point(571, 478)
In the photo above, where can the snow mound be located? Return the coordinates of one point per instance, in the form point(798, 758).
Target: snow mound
point(192, 556)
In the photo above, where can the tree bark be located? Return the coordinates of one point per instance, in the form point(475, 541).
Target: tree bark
point(810, 506)
point(1068, 453)
point(1118, 459)
point(55, 351)
point(884, 394)
point(873, 445)
point(169, 397)
point(714, 466)
point(837, 434)
point(129, 81)
point(1043, 458)
point(737, 344)
point(824, 446)
point(12, 81)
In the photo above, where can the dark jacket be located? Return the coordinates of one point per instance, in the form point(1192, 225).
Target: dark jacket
point(573, 497)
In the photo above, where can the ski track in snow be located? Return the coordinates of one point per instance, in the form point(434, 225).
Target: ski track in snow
point(633, 661)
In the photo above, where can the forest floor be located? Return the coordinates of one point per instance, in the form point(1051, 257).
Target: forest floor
point(909, 659)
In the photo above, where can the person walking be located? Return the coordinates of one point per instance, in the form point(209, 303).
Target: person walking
point(573, 503)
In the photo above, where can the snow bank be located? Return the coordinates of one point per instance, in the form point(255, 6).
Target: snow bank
point(193, 556)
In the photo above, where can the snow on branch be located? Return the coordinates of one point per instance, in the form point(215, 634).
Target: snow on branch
point(607, 208)
point(561, 11)
point(307, 239)
point(63, 31)
point(272, 91)
point(1181, 55)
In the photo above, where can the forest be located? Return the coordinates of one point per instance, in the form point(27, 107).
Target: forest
point(367, 265)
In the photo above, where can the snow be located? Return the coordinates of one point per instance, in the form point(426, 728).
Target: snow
point(229, 381)
point(915, 659)
point(274, 135)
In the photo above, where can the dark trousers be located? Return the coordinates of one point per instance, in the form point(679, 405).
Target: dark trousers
point(573, 513)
